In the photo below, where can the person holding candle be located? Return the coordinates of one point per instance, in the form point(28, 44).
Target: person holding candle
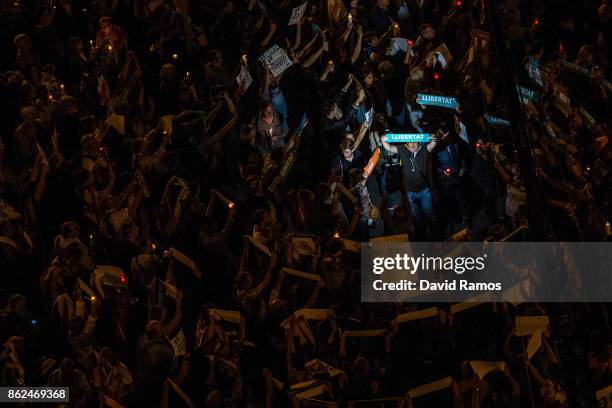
point(272, 129)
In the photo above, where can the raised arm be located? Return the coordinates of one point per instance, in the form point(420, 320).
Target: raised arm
point(389, 147)
point(432, 144)
point(362, 131)
point(357, 49)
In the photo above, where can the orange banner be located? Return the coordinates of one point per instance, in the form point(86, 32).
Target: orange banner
point(369, 168)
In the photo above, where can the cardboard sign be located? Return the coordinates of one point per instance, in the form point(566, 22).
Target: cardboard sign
point(434, 386)
point(481, 38)
point(352, 246)
point(317, 365)
point(408, 137)
point(435, 100)
point(305, 246)
point(391, 238)
point(302, 275)
point(418, 315)
point(529, 325)
point(179, 344)
point(517, 294)
point(442, 55)
point(535, 342)
point(182, 258)
point(482, 368)
point(117, 122)
point(492, 120)
point(604, 397)
point(276, 60)
point(244, 78)
point(298, 14)
point(470, 303)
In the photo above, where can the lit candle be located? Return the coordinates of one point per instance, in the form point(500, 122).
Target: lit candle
point(608, 229)
point(110, 47)
point(174, 57)
point(337, 235)
point(231, 205)
point(93, 298)
point(350, 18)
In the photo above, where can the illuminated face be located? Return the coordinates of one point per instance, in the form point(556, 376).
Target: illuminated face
point(413, 147)
point(369, 80)
point(429, 33)
point(348, 154)
point(268, 113)
point(106, 28)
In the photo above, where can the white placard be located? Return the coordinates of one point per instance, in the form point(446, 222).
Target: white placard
point(298, 14)
point(276, 60)
point(244, 78)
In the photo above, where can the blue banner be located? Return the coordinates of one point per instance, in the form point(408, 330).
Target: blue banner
point(435, 100)
point(492, 120)
point(527, 95)
point(407, 137)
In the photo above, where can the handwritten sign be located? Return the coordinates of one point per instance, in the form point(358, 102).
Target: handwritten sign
point(435, 100)
point(298, 14)
point(276, 59)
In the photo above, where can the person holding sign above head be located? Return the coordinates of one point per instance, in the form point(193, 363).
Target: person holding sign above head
point(417, 181)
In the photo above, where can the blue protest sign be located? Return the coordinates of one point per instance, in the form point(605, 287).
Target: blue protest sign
point(435, 100)
point(407, 137)
point(492, 120)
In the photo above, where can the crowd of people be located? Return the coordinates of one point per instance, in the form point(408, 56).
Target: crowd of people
point(184, 186)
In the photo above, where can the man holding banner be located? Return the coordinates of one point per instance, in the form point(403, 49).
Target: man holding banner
point(417, 180)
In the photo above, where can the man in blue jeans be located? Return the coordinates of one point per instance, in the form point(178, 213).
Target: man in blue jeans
point(417, 181)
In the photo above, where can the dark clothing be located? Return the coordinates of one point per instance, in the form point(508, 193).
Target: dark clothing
point(343, 166)
point(379, 20)
point(416, 168)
